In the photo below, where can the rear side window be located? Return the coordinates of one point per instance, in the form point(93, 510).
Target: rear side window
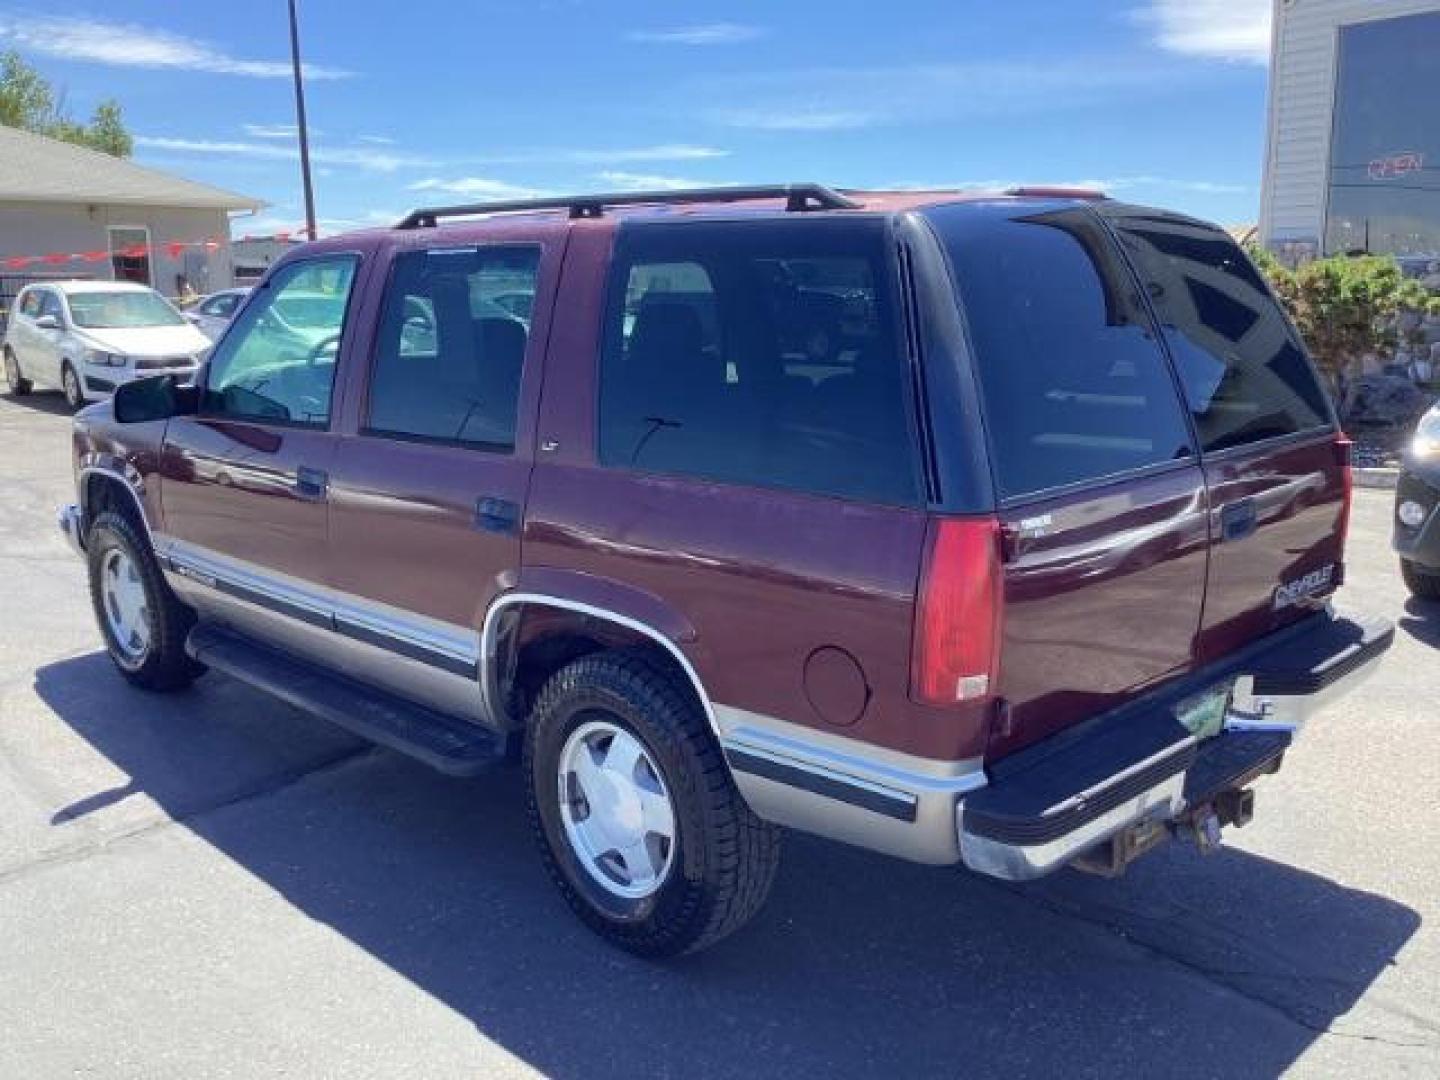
point(759, 353)
point(1075, 385)
point(1246, 377)
point(451, 347)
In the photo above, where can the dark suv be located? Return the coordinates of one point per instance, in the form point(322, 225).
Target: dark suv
point(987, 530)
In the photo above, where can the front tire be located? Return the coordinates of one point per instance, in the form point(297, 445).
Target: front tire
point(638, 820)
point(18, 385)
point(142, 622)
point(1423, 584)
point(70, 384)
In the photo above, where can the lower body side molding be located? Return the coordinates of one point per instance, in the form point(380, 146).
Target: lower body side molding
point(446, 743)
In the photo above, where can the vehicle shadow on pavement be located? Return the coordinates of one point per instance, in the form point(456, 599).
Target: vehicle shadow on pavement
point(43, 401)
point(859, 965)
point(1422, 621)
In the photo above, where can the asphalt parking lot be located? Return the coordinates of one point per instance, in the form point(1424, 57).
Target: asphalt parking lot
point(212, 884)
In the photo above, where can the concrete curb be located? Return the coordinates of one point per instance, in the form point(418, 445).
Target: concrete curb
point(1377, 478)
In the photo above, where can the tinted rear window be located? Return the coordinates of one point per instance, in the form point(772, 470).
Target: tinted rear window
point(1246, 378)
point(1075, 384)
point(758, 353)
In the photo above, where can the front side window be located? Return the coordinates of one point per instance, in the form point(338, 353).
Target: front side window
point(758, 353)
point(50, 305)
point(1074, 381)
point(30, 306)
point(110, 310)
point(220, 307)
point(277, 364)
point(1246, 377)
point(452, 345)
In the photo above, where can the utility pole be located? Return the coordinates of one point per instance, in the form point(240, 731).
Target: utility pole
point(300, 125)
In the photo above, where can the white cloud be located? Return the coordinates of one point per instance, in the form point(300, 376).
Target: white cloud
point(719, 33)
point(631, 181)
point(372, 160)
point(478, 187)
point(1237, 30)
point(376, 140)
point(764, 118)
point(129, 45)
point(273, 131)
point(272, 225)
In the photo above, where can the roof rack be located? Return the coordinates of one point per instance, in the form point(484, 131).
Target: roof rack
point(1056, 191)
point(798, 199)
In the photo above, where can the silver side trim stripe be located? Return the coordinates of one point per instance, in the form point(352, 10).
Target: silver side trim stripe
point(351, 616)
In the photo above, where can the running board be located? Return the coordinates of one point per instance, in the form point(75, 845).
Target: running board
point(451, 745)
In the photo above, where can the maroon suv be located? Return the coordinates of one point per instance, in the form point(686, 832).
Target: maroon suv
point(987, 530)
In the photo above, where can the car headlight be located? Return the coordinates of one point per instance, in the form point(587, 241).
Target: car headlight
point(104, 359)
point(1426, 443)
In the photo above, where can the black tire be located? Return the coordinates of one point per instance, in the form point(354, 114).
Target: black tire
point(70, 385)
point(725, 857)
point(1423, 584)
point(163, 664)
point(19, 385)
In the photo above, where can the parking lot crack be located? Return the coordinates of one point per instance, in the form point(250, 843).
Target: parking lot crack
point(268, 786)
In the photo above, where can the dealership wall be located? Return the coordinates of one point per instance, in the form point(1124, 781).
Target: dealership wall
point(39, 229)
point(1302, 93)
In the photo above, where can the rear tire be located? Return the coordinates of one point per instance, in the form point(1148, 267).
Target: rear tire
point(70, 384)
point(143, 623)
point(714, 872)
point(18, 385)
point(1423, 584)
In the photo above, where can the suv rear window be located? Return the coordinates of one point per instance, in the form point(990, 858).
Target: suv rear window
point(1246, 377)
point(758, 353)
point(1075, 385)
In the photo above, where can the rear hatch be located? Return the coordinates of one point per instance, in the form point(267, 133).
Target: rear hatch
point(1117, 504)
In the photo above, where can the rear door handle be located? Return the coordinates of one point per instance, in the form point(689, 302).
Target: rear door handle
point(313, 484)
point(497, 515)
point(1238, 519)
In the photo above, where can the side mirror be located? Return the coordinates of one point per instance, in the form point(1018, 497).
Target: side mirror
point(157, 398)
point(47, 322)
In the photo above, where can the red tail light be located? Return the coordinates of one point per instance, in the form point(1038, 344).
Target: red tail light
point(958, 615)
point(1344, 448)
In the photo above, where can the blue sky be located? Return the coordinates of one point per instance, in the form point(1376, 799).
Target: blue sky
point(1159, 101)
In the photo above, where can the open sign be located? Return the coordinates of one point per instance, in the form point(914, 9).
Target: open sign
point(1397, 165)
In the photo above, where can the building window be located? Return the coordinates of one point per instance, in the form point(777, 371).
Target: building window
point(130, 254)
point(1385, 146)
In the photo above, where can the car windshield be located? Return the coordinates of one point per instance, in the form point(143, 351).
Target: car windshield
point(122, 310)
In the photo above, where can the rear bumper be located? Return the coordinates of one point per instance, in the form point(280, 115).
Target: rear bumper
point(1141, 766)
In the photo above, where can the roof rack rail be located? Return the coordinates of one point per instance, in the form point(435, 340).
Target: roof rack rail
point(798, 199)
point(1056, 191)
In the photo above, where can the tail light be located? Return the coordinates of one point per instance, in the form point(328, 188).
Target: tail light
point(1344, 448)
point(956, 652)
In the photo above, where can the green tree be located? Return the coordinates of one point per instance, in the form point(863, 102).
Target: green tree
point(28, 101)
point(1346, 306)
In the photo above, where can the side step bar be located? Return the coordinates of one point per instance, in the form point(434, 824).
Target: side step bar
point(446, 743)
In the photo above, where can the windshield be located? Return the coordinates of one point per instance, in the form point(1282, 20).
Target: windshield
point(122, 310)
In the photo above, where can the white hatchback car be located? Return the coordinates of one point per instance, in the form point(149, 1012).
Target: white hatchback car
point(87, 337)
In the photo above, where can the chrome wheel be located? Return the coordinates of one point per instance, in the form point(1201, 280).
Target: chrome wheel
point(616, 810)
point(127, 610)
point(12, 371)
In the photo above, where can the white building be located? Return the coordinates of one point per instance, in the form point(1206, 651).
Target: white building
point(67, 211)
point(1353, 154)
